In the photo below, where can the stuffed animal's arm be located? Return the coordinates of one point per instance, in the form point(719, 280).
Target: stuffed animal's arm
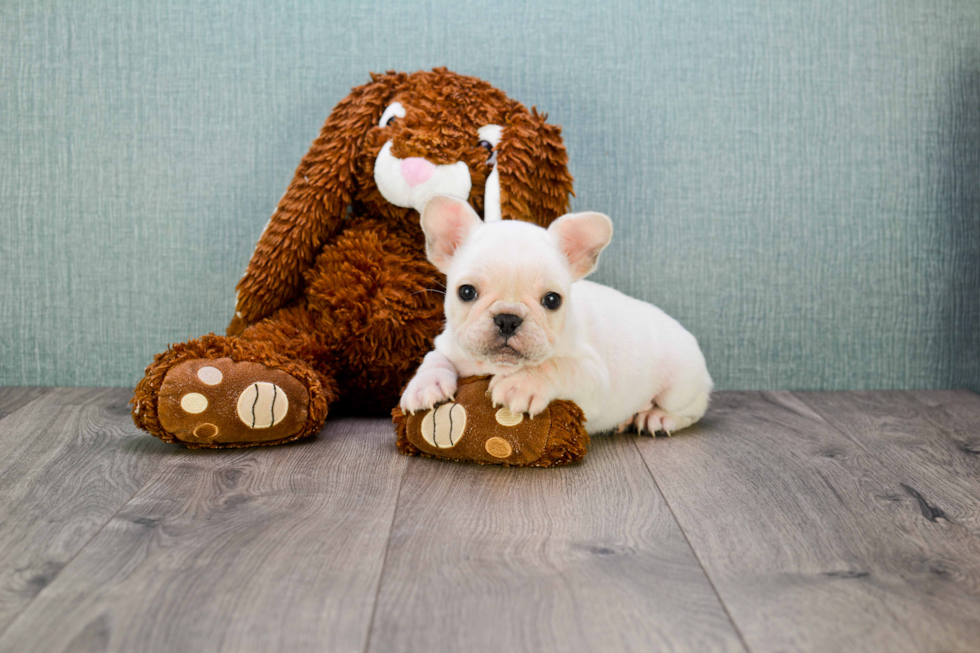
point(296, 233)
point(312, 209)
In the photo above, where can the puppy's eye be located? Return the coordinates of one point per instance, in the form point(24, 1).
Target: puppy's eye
point(466, 292)
point(391, 121)
point(487, 145)
point(551, 301)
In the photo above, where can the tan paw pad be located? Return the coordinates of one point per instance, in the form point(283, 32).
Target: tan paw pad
point(498, 447)
point(443, 426)
point(194, 403)
point(262, 405)
point(205, 432)
point(210, 375)
point(506, 418)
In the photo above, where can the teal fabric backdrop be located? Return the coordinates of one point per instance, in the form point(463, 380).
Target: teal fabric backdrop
point(797, 182)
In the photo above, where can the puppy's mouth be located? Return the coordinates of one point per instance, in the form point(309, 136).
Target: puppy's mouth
point(505, 354)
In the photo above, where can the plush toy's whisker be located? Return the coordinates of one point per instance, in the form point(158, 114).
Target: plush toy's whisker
point(441, 292)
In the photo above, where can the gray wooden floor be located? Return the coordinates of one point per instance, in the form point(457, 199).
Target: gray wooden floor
point(783, 522)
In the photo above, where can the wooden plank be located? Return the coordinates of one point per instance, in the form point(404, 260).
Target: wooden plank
point(582, 558)
point(71, 458)
point(956, 413)
point(14, 397)
point(931, 439)
point(236, 550)
point(812, 544)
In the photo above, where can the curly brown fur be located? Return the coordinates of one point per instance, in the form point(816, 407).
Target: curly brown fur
point(339, 285)
point(568, 441)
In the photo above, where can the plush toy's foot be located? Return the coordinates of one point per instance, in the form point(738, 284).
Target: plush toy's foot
point(471, 429)
point(196, 396)
point(206, 401)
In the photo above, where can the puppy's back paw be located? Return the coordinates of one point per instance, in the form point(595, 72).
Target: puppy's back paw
point(656, 420)
point(673, 410)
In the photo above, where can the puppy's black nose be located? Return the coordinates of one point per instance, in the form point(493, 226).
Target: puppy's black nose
point(507, 323)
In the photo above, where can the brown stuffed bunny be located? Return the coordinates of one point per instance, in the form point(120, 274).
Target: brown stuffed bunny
point(339, 305)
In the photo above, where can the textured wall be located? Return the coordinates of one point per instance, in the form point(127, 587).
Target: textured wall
point(797, 182)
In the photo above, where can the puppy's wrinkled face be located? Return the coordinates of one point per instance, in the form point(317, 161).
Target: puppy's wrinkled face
point(505, 294)
point(507, 283)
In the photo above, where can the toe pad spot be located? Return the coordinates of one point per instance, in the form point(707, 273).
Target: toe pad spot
point(206, 431)
point(506, 418)
point(194, 402)
point(210, 375)
point(498, 447)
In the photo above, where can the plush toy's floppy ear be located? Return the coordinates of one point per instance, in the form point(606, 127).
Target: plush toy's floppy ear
point(313, 206)
point(581, 237)
point(532, 163)
point(446, 221)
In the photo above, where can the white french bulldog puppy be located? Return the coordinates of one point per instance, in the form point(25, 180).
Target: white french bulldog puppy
point(516, 309)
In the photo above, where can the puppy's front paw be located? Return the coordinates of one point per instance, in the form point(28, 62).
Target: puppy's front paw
point(428, 388)
point(522, 392)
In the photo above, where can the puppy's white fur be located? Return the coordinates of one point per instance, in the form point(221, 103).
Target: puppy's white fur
point(623, 361)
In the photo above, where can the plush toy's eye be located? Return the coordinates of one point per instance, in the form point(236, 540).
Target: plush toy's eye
point(551, 301)
point(489, 138)
point(488, 146)
point(466, 292)
point(394, 110)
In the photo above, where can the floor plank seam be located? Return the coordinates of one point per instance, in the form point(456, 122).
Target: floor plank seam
point(680, 526)
point(896, 473)
point(925, 406)
point(384, 560)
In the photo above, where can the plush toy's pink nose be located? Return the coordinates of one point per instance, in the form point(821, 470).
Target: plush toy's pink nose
point(417, 171)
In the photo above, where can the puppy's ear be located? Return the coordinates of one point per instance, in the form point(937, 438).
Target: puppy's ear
point(533, 166)
point(446, 221)
point(581, 237)
point(313, 206)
